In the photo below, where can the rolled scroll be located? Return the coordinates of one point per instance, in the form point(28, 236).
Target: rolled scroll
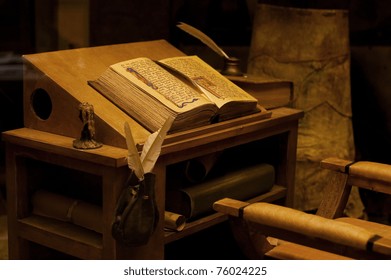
point(174, 221)
point(67, 209)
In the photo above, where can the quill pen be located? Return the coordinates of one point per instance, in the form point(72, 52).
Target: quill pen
point(134, 161)
point(202, 37)
point(152, 146)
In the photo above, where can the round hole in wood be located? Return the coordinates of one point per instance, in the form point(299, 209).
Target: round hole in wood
point(41, 103)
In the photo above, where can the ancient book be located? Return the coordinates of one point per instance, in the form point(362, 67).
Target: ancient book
point(270, 92)
point(185, 87)
point(244, 183)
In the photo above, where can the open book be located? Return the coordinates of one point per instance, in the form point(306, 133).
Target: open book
point(186, 88)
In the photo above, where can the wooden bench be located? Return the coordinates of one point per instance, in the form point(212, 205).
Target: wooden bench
point(271, 231)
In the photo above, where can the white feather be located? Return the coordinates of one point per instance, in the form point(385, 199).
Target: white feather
point(202, 37)
point(134, 161)
point(153, 145)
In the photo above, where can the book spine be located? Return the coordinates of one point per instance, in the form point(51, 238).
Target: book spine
point(241, 184)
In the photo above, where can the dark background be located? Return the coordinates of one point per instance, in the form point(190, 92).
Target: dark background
point(28, 26)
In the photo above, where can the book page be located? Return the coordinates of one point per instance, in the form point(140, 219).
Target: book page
point(217, 87)
point(156, 81)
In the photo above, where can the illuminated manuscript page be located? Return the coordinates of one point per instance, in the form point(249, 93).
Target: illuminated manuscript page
point(154, 80)
point(215, 86)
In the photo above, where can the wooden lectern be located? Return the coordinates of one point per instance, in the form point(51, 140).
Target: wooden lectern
point(41, 154)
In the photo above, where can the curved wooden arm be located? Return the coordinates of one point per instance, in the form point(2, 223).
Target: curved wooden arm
point(365, 169)
point(292, 220)
point(365, 174)
point(308, 224)
point(371, 170)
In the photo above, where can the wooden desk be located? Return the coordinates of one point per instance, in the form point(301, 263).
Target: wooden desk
point(33, 157)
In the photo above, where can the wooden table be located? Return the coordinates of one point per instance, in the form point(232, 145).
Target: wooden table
point(33, 156)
